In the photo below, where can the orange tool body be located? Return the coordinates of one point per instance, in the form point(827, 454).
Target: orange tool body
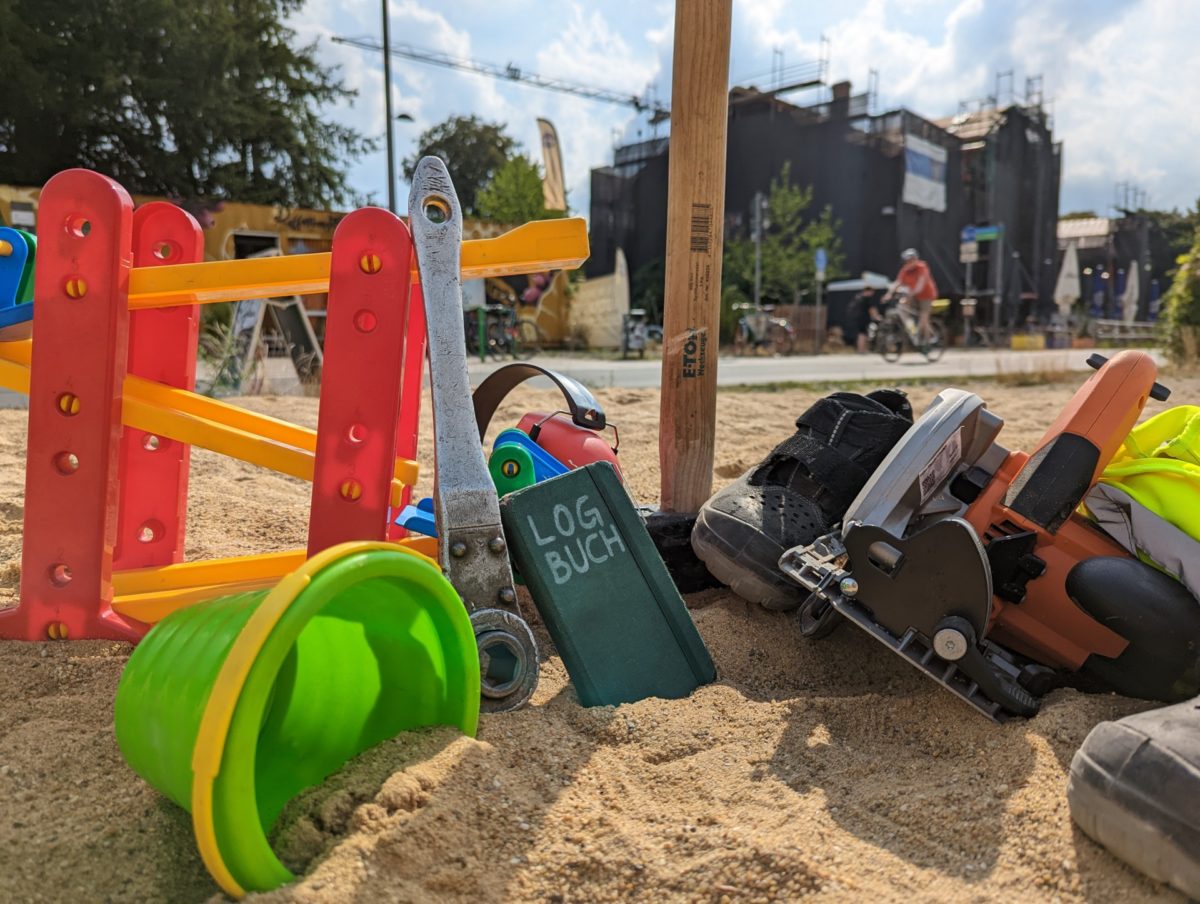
point(1047, 625)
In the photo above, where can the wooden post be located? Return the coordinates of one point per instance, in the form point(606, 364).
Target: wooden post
point(695, 218)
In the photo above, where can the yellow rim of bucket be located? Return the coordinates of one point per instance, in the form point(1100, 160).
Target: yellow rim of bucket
point(218, 712)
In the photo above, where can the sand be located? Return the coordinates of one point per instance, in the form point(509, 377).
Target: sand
point(826, 768)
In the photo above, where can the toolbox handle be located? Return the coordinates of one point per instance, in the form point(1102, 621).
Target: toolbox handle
point(585, 411)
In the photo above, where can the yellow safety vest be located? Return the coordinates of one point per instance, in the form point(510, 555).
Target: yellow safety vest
point(1159, 467)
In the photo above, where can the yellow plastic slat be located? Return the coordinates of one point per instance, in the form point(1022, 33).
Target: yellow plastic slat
point(197, 420)
point(151, 608)
point(151, 594)
point(232, 570)
point(541, 245)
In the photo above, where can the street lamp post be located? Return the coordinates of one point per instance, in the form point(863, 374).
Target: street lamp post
point(387, 105)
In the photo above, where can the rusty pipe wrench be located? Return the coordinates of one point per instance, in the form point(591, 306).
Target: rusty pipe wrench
point(471, 545)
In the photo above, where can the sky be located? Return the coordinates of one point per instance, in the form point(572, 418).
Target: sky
point(1121, 78)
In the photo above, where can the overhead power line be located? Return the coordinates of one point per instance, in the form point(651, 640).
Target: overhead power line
point(512, 73)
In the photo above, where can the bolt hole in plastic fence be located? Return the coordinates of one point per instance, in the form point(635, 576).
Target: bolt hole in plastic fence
point(151, 443)
point(164, 251)
point(60, 575)
point(79, 226)
point(357, 434)
point(66, 462)
point(365, 321)
point(436, 209)
point(68, 404)
point(149, 532)
point(363, 641)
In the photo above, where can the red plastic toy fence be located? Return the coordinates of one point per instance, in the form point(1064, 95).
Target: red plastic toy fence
point(78, 514)
point(357, 427)
point(162, 347)
point(81, 325)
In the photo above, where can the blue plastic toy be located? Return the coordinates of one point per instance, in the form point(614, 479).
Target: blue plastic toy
point(17, 254)
point(545, 465)
point(418, 518)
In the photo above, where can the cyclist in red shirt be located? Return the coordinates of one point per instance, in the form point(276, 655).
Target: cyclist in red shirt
point(920, 289)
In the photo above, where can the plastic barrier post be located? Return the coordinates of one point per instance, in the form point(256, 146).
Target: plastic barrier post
point(410, 393)
point(162, 347)
point(358, 423)
point(81, 319)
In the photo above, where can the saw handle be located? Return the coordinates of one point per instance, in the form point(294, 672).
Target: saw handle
point(1158, 392)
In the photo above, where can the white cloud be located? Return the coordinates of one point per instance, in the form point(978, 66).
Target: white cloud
point(1123, 75)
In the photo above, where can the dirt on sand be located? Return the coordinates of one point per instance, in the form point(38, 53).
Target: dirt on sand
point(828, 769)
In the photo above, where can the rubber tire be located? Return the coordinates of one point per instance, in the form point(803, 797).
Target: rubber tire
point(891, 344)
point(937, 346)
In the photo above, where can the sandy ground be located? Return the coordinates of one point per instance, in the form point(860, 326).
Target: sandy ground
point(826, 768)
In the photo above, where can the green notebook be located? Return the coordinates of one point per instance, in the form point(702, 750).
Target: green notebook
point(602, 590)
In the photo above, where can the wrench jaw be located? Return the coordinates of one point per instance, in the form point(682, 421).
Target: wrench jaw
point(472, 549)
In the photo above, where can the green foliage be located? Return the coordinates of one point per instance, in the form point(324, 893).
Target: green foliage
point(1181, 308)
point(1171, 234)
point(646, 288)
point(474, 151)
point(514, 194)
point(184, 98)
point(790, 240)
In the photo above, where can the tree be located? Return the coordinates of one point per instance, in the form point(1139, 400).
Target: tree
point(185, 98)
point(1182, 308)
point(1171, 234)
point(514, 194)
point(789, 244)
point(473, 150)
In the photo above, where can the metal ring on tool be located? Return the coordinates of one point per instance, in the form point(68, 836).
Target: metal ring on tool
point(508, 662)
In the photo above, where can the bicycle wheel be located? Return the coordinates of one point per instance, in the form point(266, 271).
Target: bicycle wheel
point(937, 342)
point(782, 341)
point(891, 342)
point(497, 341)
point(741, 341)
point(527, 339)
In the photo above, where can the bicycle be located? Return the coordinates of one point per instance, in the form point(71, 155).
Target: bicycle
point(757, 329)
point(505, 334)
point(897, 332)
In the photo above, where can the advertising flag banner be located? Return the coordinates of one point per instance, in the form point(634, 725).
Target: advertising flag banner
point(553, 186)
point(924, 174)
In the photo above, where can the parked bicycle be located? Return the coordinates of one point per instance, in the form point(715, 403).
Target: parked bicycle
point(505, 334)
point(897, 332)
point(757, 329)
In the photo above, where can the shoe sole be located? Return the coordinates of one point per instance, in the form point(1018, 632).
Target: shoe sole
point(1099, 805)
point(724, 554)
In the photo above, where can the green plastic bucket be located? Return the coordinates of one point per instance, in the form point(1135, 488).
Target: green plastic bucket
point(232, 707)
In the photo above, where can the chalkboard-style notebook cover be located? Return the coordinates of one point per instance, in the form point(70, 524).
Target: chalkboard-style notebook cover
point(602, 590)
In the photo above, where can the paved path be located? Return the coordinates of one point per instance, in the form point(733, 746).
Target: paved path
point(598, 373)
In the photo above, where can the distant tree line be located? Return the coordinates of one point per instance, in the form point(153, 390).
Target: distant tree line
point(192, 99)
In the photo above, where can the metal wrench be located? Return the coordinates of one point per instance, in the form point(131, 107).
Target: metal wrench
point(471, 545)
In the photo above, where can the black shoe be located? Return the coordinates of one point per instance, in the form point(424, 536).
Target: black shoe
point(1135, 788)
point(797, 493)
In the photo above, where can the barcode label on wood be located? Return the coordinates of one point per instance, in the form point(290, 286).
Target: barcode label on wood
point(702, 217)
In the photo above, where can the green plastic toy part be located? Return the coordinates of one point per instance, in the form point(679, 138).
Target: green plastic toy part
point(232, 707)
point(511, 468)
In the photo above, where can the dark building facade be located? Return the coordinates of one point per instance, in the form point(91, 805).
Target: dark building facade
point(989, 167)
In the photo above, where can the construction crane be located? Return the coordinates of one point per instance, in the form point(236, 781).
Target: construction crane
point(512, 73)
